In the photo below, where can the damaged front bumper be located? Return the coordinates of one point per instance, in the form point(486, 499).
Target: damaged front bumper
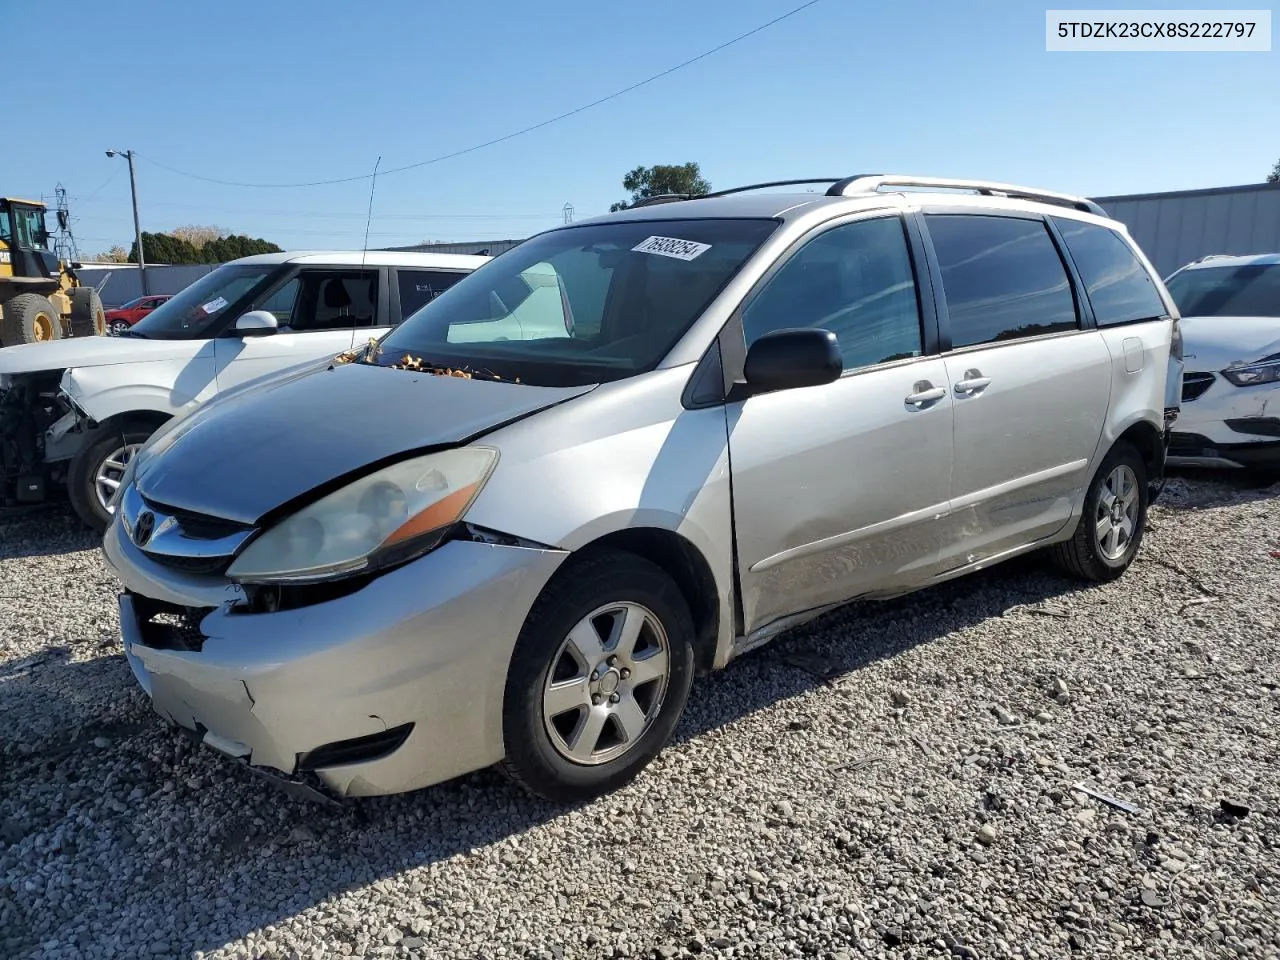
point(393, 687)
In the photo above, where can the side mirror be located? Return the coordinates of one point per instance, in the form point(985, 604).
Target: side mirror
point(257, 323)
point(786, 359)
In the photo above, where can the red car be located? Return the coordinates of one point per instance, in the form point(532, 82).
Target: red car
point(126, 315)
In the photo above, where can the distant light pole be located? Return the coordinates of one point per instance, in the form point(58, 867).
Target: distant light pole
point(137, 223)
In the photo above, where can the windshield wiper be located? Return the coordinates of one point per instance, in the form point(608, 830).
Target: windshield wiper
point(133, 333)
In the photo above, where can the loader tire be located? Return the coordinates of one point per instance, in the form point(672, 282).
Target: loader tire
point(88, 318)
point(30, 318)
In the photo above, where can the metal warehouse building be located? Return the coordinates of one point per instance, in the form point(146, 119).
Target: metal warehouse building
point(1177, 227)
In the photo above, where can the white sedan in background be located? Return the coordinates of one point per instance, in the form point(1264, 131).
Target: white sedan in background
point(1230, 414)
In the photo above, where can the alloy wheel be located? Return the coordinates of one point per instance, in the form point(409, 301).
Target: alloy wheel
point(1116, 519)
point(606, 683)
point(110, 472)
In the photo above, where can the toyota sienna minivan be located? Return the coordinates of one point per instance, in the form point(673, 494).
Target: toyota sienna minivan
point(512, 530)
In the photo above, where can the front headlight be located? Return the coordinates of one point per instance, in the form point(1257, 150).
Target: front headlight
point(1266, 370)
point(387, 517)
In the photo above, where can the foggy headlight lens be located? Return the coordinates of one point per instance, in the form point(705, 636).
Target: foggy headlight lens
point(384, 518)
point(1267, 371)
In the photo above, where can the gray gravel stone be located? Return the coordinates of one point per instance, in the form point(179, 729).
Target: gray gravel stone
point(742, 839)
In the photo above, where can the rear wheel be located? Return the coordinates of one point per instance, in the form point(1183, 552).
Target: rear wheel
point(1110, 529)
point(88, 318)
point(96, 471)
point(598, 679)
point(31, 318)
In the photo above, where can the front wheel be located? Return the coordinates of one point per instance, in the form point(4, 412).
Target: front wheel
point(119, 328)
point(599, 678)
point(96, 471)
point(1115, 512)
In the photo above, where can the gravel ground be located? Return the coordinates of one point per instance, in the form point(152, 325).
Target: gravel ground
point(891, 781)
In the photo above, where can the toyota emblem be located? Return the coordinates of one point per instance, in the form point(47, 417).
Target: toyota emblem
point(143, 529)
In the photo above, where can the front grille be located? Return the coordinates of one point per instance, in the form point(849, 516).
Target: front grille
point(198, 526)
point(190, 545)
point(1195, 384)
point(209, 566)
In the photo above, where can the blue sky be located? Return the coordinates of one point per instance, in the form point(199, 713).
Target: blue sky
point(293, 91)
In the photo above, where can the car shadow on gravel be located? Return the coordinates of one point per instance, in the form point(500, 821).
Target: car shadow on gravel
point(43, 531)
point(1192, 488)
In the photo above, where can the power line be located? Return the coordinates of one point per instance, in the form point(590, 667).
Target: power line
point(510, 136)
point(215, 210)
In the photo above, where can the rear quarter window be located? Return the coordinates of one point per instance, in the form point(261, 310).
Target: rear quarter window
point(1119, 288)
point(420, 287)
point(1002, 278)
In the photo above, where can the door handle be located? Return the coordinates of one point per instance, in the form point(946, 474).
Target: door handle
point(925, 392)
point(973, 382)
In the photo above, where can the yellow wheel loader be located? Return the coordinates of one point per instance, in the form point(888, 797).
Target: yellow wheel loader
point(40, 295)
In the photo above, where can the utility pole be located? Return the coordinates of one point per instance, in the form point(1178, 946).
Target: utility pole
point(137, 223)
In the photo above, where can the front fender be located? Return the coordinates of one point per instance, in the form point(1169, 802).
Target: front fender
point(625, 456)
point(101, 393)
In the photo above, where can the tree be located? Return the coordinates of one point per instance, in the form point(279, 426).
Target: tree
point(197, 235)
point(167, 248)
point(1274, 176)
point(644, 182)
point(116, 254)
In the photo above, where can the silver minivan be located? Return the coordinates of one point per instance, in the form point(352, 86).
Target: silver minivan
point(513, 529)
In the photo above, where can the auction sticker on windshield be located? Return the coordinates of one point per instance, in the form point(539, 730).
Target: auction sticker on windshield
point(671, 247)
point(213, 305)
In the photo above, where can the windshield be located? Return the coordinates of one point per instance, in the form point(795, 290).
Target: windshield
point(580, 305)
point(195, 312)
point(131, 304)
point(1247, 291)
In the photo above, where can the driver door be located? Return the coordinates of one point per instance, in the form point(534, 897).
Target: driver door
point(320, 313)
point(842, 489)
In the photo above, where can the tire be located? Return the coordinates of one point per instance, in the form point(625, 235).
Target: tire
point(1099, 553)
point(91, 463)
point(593, 599)
point(88, 318)
point(119, 327)
point(30, 318)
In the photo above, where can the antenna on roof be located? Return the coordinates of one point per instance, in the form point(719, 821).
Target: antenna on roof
point(364, 251)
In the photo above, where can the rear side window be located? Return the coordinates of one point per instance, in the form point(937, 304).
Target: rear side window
point(854, 280)
point(1003, 278)
point(1119, 288)
point(419, 287)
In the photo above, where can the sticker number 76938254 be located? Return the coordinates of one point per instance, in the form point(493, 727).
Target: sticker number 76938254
point(672, 247)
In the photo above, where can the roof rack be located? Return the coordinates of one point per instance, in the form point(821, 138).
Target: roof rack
point(864, 183)
point(872, 183)
point(1213, 256)
point(670, 197)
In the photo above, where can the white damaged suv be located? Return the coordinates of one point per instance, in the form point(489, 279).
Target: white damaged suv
point(72, 412)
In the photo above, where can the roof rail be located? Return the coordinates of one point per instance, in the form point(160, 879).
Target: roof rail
point(661, 198)
point(770, 183)
point(872, 183)
point(669, 197)
point(1213, 256)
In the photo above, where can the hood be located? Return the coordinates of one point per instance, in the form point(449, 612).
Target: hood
point(88, 352)
point(1211, 344)
point(243, 456)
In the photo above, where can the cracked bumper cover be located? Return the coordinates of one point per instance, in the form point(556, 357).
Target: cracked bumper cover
point(427, 644)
